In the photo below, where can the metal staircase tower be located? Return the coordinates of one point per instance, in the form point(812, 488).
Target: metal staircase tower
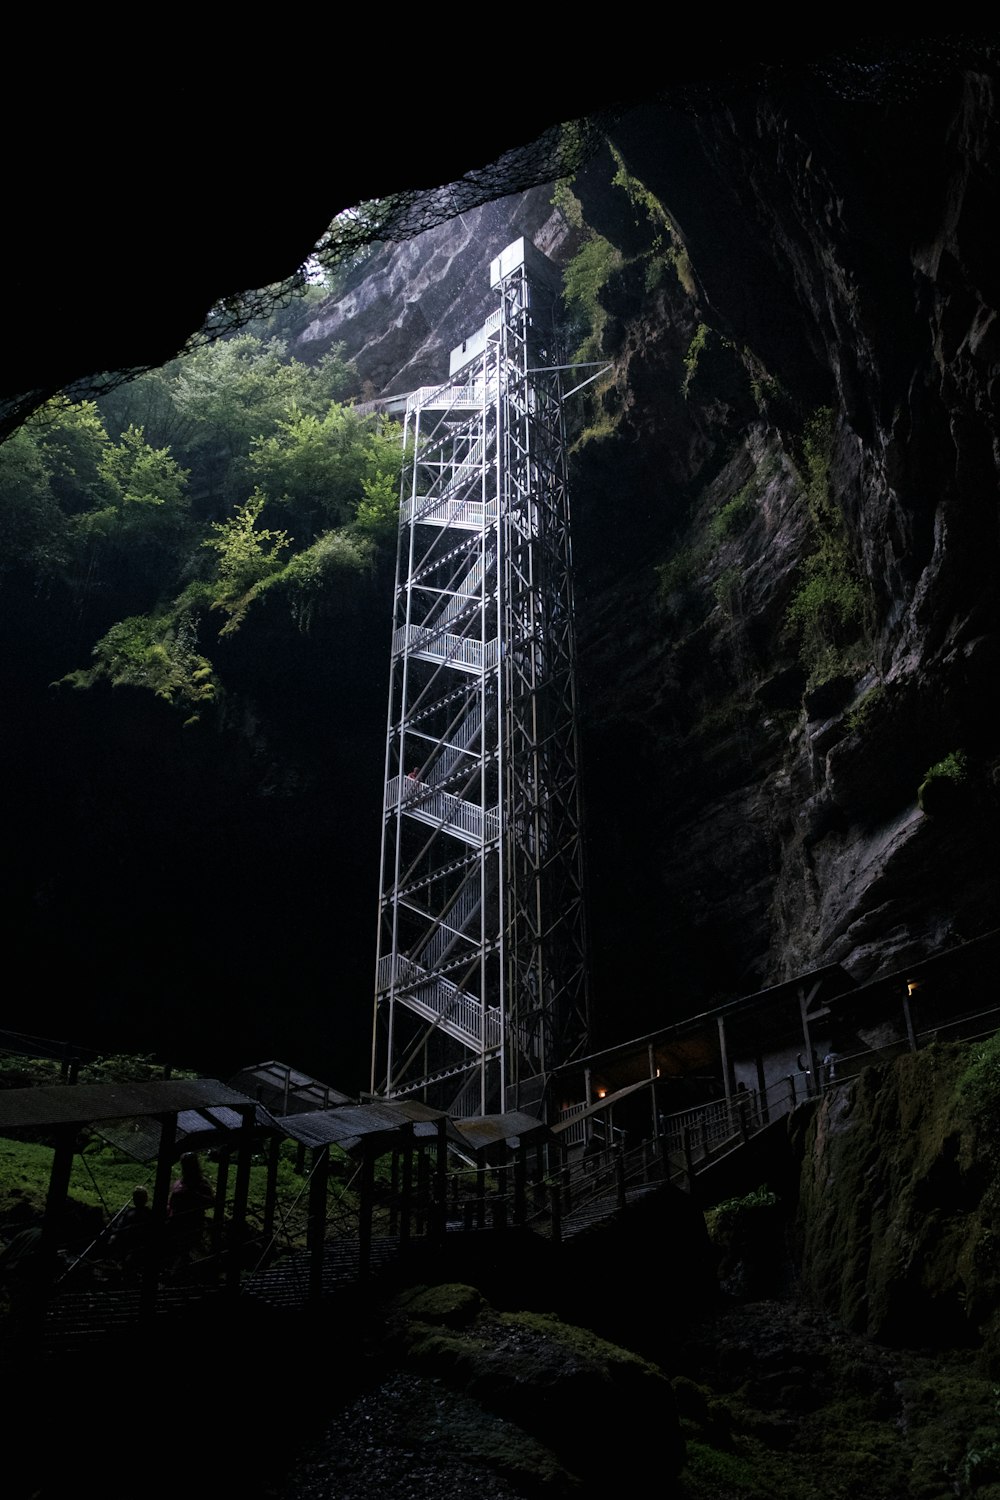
point(481, 984)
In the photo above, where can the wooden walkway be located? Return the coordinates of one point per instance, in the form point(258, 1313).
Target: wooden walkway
point(83, 1324)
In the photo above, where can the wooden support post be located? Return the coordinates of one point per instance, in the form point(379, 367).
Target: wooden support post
point(481, 1196)
point(271, 1189)
point(316, 1230)
point(53, 1220)
point(423, 1191)
point(765, 1114)
point(620, 1176)
point(688, 1158)
point(244, 1159)
point(724, 1060)
point(520, 1182)
point(664, 1155)
point(440, 1180)
point(394, 1191)
point(219, 1207)
point(556, 1213)
point(406, 1196)
point(538, 1181)
point(813, 1082)
point(366, 1209)
point(161, 1193)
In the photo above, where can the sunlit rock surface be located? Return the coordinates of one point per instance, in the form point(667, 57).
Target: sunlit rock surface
point(417, 301)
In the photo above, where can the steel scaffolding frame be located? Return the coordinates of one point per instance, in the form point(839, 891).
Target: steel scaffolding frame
point(481, 979)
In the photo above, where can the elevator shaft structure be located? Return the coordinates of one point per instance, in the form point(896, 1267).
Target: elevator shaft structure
point(481, 983)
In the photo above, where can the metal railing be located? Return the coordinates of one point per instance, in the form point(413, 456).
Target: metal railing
point(457, 1012)
point(439, 510)
point(464, 819)
point(456, 650)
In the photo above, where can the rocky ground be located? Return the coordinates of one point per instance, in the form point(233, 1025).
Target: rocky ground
point(775, 1400)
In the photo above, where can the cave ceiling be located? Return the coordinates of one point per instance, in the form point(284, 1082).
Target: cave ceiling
point(142, 198)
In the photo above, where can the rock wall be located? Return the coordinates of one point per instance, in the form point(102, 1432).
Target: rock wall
point(788, 543)
point(897, 1216)
point(409, 305)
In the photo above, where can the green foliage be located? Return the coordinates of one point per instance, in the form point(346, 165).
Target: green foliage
point(954, 767)
point(324, 469)
point(724, 1215)
point(727, 589)
point(323, 578)
point(827, 606)
point(594, 432)
point(114, 518)
point(104, 1177)
point(584, 277)
point(377, 515)
point(676, 575)
point(979, 1088)
point(139, 475)
point(981, 1464)
point(828, 613)
point(127, 1067)
point(248, 554)
point(711, 1473)
point(72, 442)
point(865, 706)
point(33, 529)
point(695, 350)
point(117, 1067)
point(236, 389)
point(668, 248)
point(157, 652)
point(132, 540)
point(734, 516)
point(567, 203)
point(943, 783)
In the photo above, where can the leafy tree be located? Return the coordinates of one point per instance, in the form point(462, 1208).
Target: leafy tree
point(33, 533)
point(325, 578)
point(378, 510)
point(248, 554)
point(233, 392)
point(72, 441)
point(141, 475)
point(133, 543)
point(322, 469)
point(148, 402)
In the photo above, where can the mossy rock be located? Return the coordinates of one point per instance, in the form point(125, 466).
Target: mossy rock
point(453, 1305)
point(569, 1389)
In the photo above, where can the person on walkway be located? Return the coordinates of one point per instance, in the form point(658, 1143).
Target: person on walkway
point(190, 1198)
point(133, 1232)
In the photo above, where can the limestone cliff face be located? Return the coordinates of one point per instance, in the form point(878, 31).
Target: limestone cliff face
point(788, 545)
point(409, 305)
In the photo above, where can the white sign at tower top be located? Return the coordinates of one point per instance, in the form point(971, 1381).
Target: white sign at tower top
point(508, 260)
